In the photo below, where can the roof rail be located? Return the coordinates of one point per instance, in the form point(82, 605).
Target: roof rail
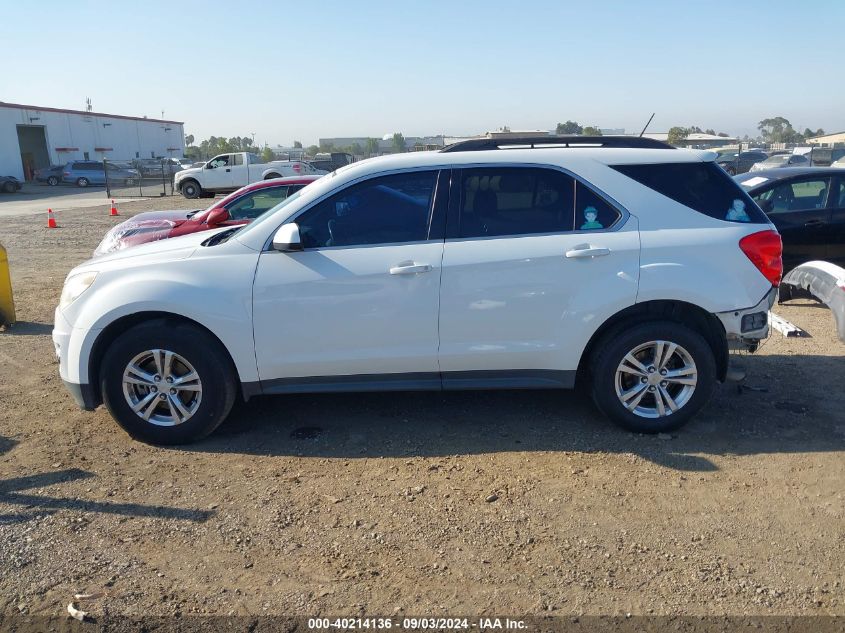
point(524, 142)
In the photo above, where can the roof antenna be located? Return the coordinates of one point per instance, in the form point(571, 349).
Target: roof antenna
point(648, 123)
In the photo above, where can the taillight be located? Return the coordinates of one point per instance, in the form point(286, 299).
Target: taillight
point(764, 249)
point(297, 167)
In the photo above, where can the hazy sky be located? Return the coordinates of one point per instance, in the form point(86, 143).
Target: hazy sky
point(290, 70)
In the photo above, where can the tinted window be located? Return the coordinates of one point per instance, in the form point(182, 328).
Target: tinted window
point(379, 211)
point(515, 201)
point(700, 186)
point(803, 195)
point(255, 203)
point(239, 160)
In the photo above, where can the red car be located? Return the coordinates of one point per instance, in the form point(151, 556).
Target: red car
point(239, 207)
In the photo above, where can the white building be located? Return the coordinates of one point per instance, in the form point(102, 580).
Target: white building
point(32, 137)
point(828, 140)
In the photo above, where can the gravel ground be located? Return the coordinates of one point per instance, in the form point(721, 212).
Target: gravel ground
point(427, 504)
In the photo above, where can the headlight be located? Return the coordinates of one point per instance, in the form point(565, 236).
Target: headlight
point(75, 286)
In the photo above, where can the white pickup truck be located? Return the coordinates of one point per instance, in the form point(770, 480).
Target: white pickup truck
point(227, 172)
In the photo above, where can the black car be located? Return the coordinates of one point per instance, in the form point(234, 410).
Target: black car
point(9, 184)
point(739, 162)
point(807, 205)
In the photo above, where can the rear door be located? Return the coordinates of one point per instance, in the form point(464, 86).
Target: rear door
point(798, 208)
point(533, 262)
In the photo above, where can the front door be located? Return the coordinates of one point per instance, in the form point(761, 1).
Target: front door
point(836, 235)
point(217, 173)
point(533, 263)
point(798, 209)
point(357, 308)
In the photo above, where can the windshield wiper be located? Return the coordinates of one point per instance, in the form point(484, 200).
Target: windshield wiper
point(222, 237)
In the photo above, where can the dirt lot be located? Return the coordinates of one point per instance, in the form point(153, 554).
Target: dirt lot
point(427, 504)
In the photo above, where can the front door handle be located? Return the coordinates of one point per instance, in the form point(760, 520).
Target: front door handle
point(814, 223)
point(228, 170)
point(588, 251)
point(409, 268)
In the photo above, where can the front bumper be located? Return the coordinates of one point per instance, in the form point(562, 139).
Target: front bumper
point(745, 328)
point(68, 347)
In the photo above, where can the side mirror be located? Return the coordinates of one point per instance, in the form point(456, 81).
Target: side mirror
point(287, 238)
point(217, 216)
point(766, 205)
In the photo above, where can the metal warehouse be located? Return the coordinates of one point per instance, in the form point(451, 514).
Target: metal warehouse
point(32, 137)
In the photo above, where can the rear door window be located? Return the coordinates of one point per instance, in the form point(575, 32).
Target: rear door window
point(704, 187)
point(498, 201)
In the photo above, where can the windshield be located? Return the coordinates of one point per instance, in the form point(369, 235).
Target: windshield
point(270, 212)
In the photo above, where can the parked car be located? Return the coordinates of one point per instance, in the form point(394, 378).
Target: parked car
point(52, 175)
point(83, 173)
point(838, 163)
point(739, 163)
point(9, 184)
point(239, 207)
point(825, 156)
point(807, 205)
point(779, 161)
point(227, 172)
point(156, 167)
point(329, 162)
point(617, 263)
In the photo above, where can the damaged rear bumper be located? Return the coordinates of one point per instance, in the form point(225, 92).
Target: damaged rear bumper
point(745, 328)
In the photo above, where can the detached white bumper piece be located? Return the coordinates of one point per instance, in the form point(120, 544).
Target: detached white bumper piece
point(825, 282)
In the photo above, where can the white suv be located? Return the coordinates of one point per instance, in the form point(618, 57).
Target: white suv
point(619, 263)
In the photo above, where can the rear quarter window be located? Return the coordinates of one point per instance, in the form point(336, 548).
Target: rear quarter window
point(703, 187)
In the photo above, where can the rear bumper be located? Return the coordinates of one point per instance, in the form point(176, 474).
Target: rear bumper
point(745, 328)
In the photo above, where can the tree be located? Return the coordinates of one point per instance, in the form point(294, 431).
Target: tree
point(808, 133)
point(591, 130)
point(710, 131)
point(570, 127)
point(312, 150)
point(297, 144)
point(372, 146)
point(267, 155)
point(357, 150)
point(398, 142)
point(778, 130)
point(677, 134)
point(189, 139)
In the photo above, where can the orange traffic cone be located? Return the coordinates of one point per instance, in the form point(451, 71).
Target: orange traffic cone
point(51, 221)
point(113, 209)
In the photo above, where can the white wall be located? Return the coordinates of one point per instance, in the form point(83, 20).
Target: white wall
point(85, 132)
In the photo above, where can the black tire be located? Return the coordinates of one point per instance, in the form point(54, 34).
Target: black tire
point(271, 176)
point(622, 340)
point(52, 181)
point(209, 360)
point(81, 182)
point(10, 187)
point(731, 171)
point(191, 189)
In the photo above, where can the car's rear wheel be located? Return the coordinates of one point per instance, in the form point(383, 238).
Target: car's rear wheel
point(10, 187)
point(52, 181)
point(653, 377)
point(167, 382)
point(271, 176)
point(191, 189)
point(81, 182)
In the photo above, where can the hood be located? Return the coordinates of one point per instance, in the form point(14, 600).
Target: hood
point(140, 229)
point(172, 249)
point(182, 173)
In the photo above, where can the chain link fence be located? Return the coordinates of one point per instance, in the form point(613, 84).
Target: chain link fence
point(143, 178)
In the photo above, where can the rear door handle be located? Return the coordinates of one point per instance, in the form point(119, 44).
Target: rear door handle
point(812, 223)
point(589, 251)
point(409, 268)
point(228, 170)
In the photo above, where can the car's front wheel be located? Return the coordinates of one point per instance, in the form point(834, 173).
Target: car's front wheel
point(167, 382)
point(653, 377)
point(52, 181)
point(10, 187)
point(81, 182)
